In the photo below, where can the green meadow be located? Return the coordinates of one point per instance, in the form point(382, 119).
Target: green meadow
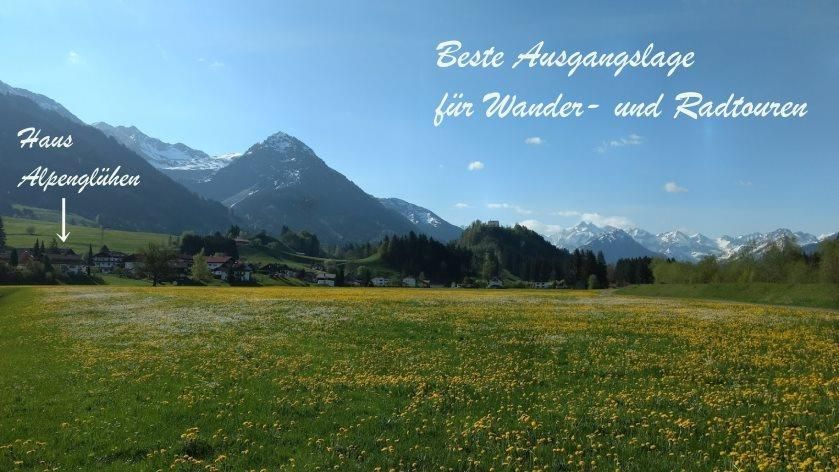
point(229, 379)
point(21, 233)
point(815, 295)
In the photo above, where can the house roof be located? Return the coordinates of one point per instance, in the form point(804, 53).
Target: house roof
point(64, 251)
point(66, 259)
point(111, 254)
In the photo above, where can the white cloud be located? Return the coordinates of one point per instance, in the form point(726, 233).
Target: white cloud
point(631, 140)
point(744, 183)
point(475, 165)
point(212, 64)
point(541, 228)
point(461, 205)
point(600, 220)
point(567, 213)
point(673, 187)
point(73, 58)
point(534, 141)
point(508, 206)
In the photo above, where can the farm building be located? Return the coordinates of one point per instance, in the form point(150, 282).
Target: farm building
point(326, 279)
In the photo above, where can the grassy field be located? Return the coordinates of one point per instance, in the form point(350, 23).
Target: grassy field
point(21, 233)
point(135, 378)
point(815, 295)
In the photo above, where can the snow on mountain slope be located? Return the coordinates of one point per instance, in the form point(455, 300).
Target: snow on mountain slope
point(165, 156)
point(425, 220)
point(681, 246)
point(575, 236)
point(757, 243)
point(645, 238)
point(617, 244)
point(677, 244)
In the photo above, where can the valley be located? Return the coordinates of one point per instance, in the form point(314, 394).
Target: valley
point(281, 181)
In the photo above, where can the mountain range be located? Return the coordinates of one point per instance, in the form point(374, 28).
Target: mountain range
point(282, 182)
point(277, 182)
point(617, 243)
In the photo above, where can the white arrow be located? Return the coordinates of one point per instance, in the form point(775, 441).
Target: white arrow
point(64, 234)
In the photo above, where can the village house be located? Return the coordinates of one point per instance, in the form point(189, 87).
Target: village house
point(68, 263)
point(379, 281)
point(495, 282)
point(550, 284)
point(220, 271)
point(182, 265)
point(409, 282)
point(107, 261)
point(241, 272)
point(218, 260)
point(326, 279)
point(64, 260)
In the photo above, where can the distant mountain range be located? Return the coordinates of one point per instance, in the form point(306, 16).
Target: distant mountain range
point(277, 182)
point(617, 243)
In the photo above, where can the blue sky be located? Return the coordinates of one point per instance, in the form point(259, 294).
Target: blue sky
point(359, 83)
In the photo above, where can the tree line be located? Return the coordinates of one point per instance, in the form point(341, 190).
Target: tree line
point(782, 262)
point(488, 251)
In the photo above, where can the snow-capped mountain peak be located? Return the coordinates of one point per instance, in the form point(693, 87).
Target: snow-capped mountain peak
point(576, 236)
point(615, 244)
point(282, 143)
point(678, 244)
point(162, 155)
